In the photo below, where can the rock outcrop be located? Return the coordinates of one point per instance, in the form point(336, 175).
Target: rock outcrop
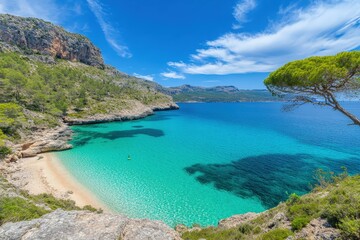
point(318, 229)
point(87, 225)
point(236, 220)
point(44, 141)
point(137, 111)
point(50, 140)
point(33, 36)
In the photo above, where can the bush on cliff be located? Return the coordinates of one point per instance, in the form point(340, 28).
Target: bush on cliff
point(18, 209)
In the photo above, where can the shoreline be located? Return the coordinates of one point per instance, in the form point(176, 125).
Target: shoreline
point(45, 173)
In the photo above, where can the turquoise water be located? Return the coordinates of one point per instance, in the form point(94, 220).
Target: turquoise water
point(205, 162)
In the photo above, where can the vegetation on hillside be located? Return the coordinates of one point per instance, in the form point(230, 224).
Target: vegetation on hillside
point(318, 80)
point(24, 206)
point(65, 87)
point(336, 199)
point(35, 95)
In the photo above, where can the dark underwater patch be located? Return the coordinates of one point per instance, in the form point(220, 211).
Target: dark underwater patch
point(270, 178)
point(86, 136)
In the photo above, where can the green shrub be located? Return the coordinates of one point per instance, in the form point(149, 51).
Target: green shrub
point(246, 228)
point(276, 234)
point(293, 198)
point(18, 209)
point(212, 233)
point(257, 230)
point(4, 151)
point(299, 222)
point(92, 209)
point(52, 202)
point(350, 228)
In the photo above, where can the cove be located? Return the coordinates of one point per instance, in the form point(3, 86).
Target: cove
point(206, 162)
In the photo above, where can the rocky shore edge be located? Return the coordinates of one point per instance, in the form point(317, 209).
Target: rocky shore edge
point(56, 139)
point(134, 114)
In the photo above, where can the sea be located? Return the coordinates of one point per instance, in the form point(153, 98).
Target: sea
point(209, 161)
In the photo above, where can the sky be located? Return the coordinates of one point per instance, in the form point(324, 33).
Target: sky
point(203, 42)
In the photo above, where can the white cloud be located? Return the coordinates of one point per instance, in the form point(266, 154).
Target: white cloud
point(173, 75)
point(146, 77)
point(320, 29)
point(241, 10)
point(109, 31)
point(44, 9)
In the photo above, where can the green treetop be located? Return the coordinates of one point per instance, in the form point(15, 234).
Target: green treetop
point(318, 80)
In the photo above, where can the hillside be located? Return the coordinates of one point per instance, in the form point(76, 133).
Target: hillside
point(188, 93)
point(48, 76)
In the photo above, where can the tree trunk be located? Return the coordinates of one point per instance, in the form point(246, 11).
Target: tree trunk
point(337, 106)
point(353, 118)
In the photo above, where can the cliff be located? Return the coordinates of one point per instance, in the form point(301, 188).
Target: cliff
point(35, 36)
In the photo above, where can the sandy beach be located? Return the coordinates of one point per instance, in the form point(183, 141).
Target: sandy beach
point(45, 174)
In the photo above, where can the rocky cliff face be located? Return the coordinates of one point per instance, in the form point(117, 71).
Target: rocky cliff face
point(35, 36)
point(87, 225)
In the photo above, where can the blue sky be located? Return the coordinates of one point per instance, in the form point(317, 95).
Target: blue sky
point(204, 42)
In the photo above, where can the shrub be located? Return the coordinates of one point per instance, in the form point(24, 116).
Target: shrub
point(276, 234)
point(293, 198)
point(18, 209)
point(257, 230)
point(4, 151)
point(52, 202)
point(246, 228)
point(350, 228)
point(299, 222)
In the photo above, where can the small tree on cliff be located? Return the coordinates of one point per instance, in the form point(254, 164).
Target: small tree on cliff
point(318, 80)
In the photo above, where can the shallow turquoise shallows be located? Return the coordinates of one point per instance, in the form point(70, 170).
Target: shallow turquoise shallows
point(206, 162)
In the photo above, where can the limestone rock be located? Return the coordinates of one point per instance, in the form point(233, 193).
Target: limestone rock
point(279, 221)
point(33, 36)
point(181, 228)
point(49, 140)
point(236, 220)
point(318, 229)
point(86, 225)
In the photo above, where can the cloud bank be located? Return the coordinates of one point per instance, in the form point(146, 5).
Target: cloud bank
point(324, 28)
point(146, 77)
point(172, 75)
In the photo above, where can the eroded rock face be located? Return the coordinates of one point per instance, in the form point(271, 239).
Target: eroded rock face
point(87, 225)
point(35, 36)
point(318, 229)
point(50, 140)
point(236, 220)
